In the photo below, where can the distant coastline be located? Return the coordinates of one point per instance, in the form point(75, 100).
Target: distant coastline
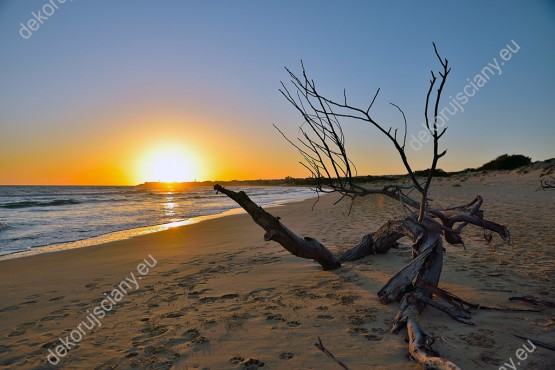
point(502, 163)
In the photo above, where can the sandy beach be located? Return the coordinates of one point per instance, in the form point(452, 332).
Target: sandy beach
point(248, 185)
point(215, 295)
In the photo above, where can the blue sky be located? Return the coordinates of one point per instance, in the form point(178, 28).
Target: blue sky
point(94, 68)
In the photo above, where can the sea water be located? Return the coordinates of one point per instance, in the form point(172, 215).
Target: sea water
point(32, 217)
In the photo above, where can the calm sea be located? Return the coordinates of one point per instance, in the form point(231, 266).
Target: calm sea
point(62, 217)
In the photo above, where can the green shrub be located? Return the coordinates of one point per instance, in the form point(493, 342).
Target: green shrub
point(437, 173)
point(507, 162)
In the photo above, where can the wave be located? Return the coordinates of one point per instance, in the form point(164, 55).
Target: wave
point(32, 203)
point(4, 226)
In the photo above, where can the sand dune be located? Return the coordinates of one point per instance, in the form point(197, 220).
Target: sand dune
point(220, 297)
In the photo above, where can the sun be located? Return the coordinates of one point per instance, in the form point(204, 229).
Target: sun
point(168, 163)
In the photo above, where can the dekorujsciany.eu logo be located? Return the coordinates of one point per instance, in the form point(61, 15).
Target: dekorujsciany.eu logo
point(39, 17)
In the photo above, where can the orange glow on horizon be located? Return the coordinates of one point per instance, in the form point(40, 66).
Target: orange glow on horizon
point(152, 145)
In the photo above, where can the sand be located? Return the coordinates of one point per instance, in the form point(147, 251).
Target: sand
point(220, 297)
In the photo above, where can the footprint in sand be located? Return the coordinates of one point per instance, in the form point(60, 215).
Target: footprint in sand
point(34, 296)
point(16, 333)
point(196, 293)
point(236, 360)
point(152, 357)
point(185, 283)
point(241, 270)
point(108, 365)
point(195, 336)
point(172, 315)
point(50, 344)
point(91, 286)
point(9, 308)
point(149, 331)
point(373, 337)
point(259, 294)
point(479, 339)
point(154, 331)
point(54, 317)
point(132, 354)
point(285, 356)
point(277, 317)
point(358, 320)
point(490, 358)
point(171, 300)
point(78, 303)
point(170, 273)
point(218, 299)
point(20, 329)
point(193, 262)
point(17, 306)
point(56, 312)
point(249, 363)
point(358, 329)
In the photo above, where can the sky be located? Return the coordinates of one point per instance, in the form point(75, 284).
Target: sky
point(108, 92)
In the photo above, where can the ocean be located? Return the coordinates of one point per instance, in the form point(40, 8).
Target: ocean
point(36, 219)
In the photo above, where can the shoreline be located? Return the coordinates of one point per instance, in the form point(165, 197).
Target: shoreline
point(127, 234)
point(112, 237)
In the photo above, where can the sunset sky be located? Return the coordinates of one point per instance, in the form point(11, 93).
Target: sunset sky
point(106, 92)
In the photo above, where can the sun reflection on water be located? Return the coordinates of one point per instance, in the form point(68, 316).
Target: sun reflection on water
point(170, 206)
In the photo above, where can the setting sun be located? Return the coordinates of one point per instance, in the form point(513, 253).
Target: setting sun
point(168, 164)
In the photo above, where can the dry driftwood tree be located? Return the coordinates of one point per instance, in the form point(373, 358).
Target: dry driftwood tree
point(322, 145)
point(548, 184)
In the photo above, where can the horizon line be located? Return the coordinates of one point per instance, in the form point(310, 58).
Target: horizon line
point(249, 180)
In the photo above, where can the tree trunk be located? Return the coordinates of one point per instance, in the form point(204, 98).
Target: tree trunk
point(306, 247)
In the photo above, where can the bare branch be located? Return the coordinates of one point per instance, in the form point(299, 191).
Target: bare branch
point(547, 184)
point(319, 114)
point(545, 345)
point(404, 119)
point(321, 347)
point(433, 130)
point(372, 102)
